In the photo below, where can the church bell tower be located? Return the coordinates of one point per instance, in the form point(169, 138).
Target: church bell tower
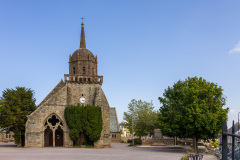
point(82, 86)
point(83, 65)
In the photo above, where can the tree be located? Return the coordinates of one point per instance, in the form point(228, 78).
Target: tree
point(145, 119)
point(15, 105)
point(84, 119)
point(121, 131)
point(192, 108)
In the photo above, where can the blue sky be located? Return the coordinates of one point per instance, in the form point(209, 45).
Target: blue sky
point(143, 46)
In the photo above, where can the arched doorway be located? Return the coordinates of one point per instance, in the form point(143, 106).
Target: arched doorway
point(59, 137)
point(48, 141)
point(53, 133)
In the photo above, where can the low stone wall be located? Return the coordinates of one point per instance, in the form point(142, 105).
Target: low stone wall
point(126, 138)
point(158, 142)
point(187, 141)
point(147, 142)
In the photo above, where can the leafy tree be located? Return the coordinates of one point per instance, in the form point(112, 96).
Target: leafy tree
point(145, 119)
point(192, 108)
point(75, 121)
point(121, 131)
point(84, 118)
point(94, 123)
point(15, 105)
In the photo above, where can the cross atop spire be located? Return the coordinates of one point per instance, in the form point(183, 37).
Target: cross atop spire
point(82, 40)
point(82, 19)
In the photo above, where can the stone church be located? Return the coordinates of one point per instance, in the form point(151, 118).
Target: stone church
point(46, 126)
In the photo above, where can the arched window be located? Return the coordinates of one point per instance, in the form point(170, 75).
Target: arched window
point(84, 71)
point(53, 133)
point(73, 70)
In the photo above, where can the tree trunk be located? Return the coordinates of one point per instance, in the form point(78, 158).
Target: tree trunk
point(77, 141)
point(23, 138)
point(195, 143)
point(19, 143)
point(20, 138)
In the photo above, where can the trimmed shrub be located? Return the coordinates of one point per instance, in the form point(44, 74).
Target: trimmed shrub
point(84, 118)
point(137, 141)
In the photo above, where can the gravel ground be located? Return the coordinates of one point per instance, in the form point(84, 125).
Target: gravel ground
point(118, 151)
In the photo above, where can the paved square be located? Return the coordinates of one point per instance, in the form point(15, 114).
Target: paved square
point(118, 151)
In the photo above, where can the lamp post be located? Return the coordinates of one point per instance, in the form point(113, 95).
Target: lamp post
point(132, 124)
point(238, 139)
point(132, 132)
point(238, 122)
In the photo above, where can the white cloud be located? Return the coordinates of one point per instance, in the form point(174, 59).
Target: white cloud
point(233, 111)
point(236, 49)
point(232, 115)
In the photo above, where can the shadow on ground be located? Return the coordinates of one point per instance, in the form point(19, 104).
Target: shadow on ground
point(9, 144)
point(178, 150)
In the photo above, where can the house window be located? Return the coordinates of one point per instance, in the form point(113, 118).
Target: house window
point(84, 71)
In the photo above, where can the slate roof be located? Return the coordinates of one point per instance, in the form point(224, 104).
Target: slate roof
point(3, 130)
point(114, 127)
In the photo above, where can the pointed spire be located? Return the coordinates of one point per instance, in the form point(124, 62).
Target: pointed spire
point(82, 40)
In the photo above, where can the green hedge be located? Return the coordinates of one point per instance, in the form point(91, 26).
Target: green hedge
point(137, 141)
point(84, 118)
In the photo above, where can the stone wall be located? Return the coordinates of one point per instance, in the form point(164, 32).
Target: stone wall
point(55, 104)
point(6, 137)
point(59, 86)
point(158, 142)
point(34, 135)
point(115, 137)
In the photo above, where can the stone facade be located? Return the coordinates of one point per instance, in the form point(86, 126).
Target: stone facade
point(158, 142)
point(115, 137)
point(158, 139)
point(6, 136)
point(46, 126)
